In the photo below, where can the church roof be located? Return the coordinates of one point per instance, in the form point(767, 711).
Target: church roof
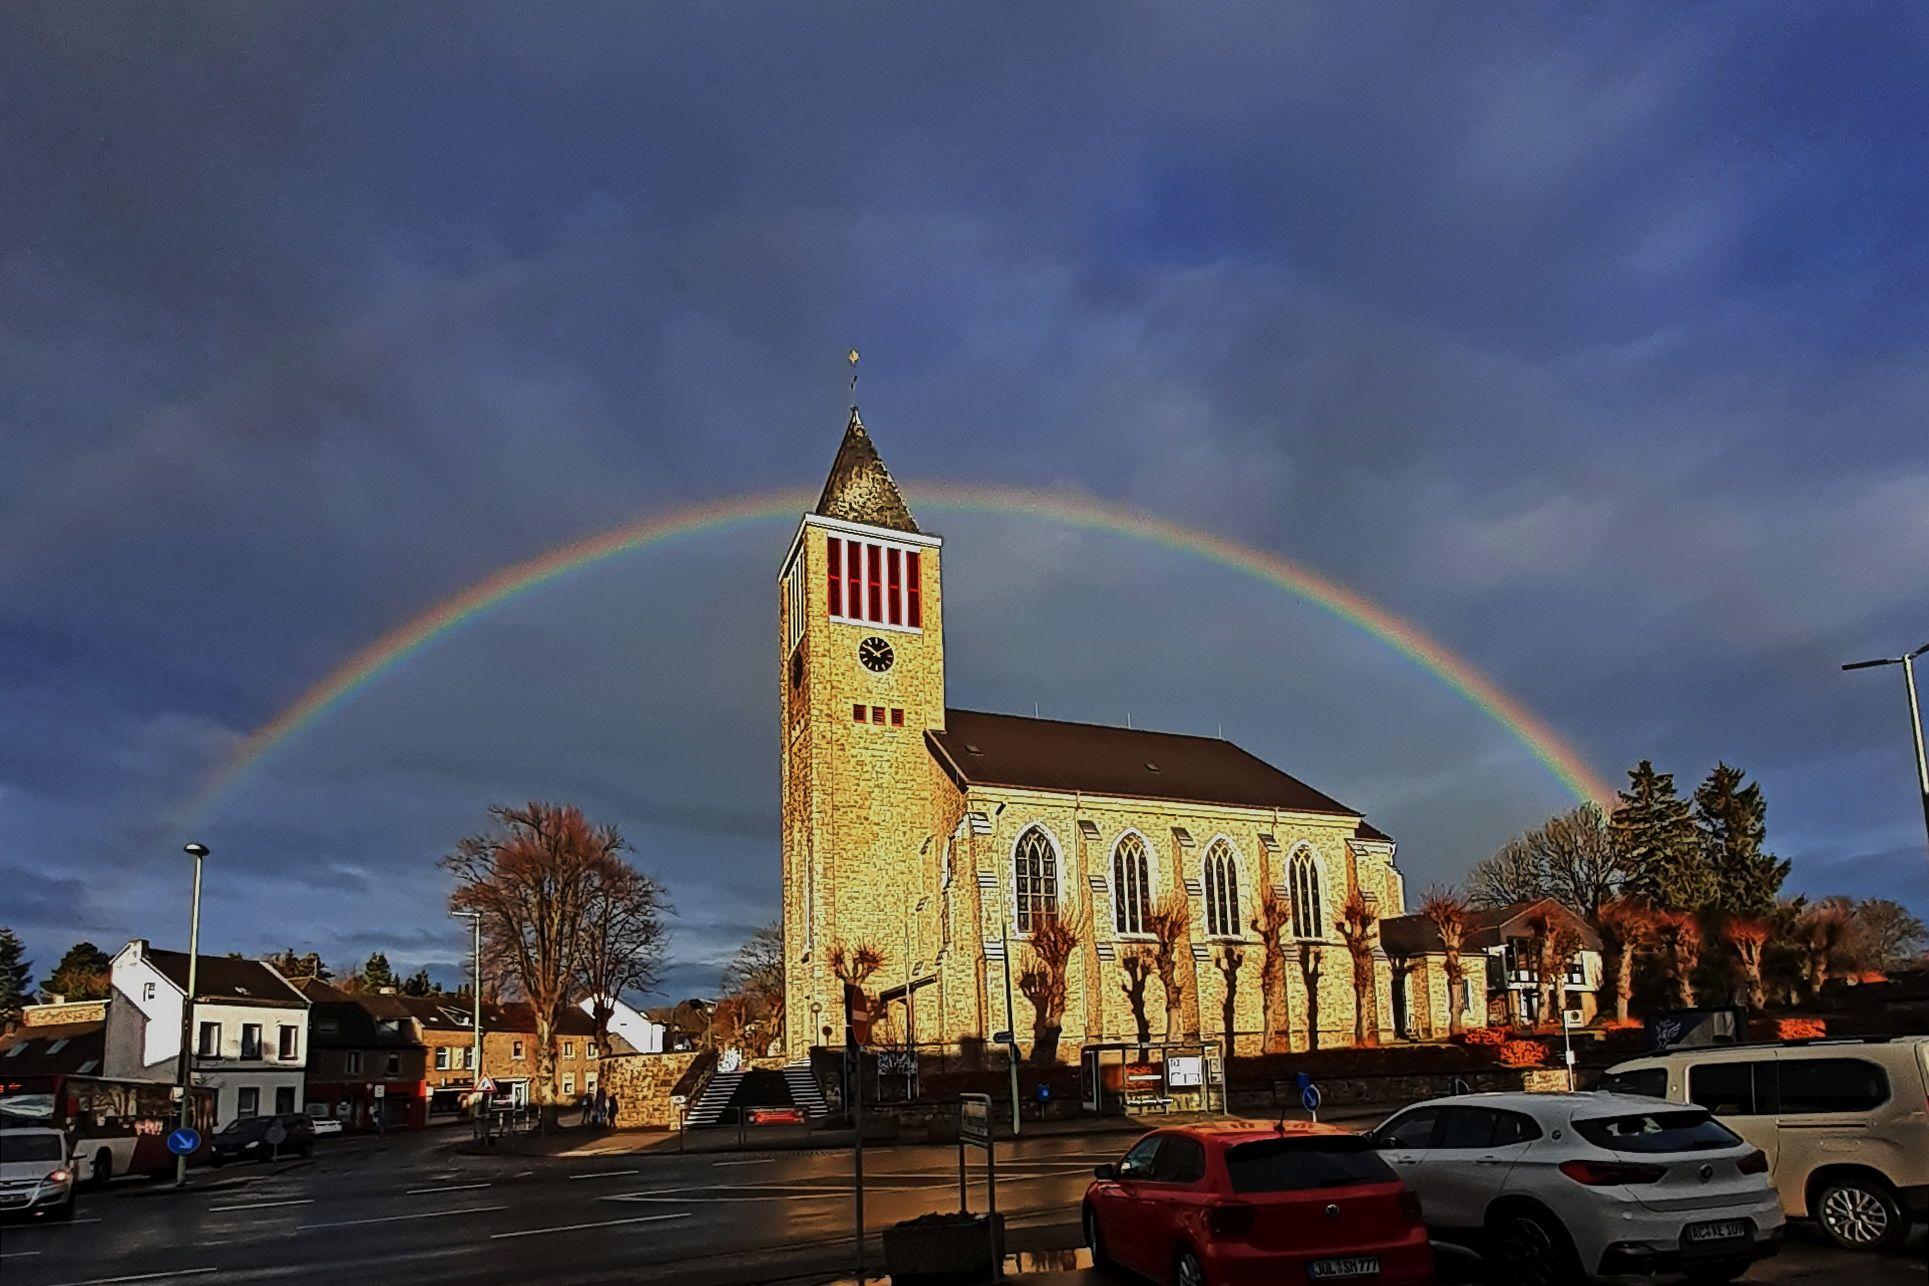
point(860, 488)
point(980, 749)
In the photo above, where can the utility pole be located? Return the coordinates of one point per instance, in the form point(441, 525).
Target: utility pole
point(1011, 1036)
point(475, 1017)
point(184, 1071)
point(1907, 662)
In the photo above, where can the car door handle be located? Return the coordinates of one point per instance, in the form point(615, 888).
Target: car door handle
point(1491, 1161)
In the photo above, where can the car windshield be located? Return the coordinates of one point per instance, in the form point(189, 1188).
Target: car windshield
point(1684, 1131)
point(249, 1125)
point(1287, 1165)
point(30, 1147)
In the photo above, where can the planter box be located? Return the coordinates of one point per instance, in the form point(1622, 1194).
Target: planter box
point(944, 1248)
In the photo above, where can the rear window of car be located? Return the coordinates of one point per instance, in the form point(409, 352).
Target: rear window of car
point(1684, 1131)
point(30, 1147)
point(1288, 1165)
point(1646, 1082)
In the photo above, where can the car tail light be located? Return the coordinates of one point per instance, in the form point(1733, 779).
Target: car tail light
point(1596, 1174)
point(1232, 1219)
point(1410, 1204)
point(59, 1176)
point(1755, 1162)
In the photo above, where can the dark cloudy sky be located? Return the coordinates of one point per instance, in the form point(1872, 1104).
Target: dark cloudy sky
point(1594, 343)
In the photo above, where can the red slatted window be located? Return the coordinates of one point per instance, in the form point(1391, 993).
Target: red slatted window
point(913, 591)
point(874, 576)
point(834, 599)
point(853, 580)
point(858, 713)
point(894, 586)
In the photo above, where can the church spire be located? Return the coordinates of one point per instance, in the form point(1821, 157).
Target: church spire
point(860, 488)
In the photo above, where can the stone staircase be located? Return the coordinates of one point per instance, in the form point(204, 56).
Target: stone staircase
point(716, 1096)
point(804, 1092)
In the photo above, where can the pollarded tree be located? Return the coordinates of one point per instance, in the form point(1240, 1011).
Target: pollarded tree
point(1167, 922)
point(854, 966)
point(1138, 967)
point(1355, 926)
point(1746, 936)
point(1447, 913)
point(1271, 920)
point(1822, 931)
point(1227, 958)
point(1626, 925)
point(1542, 927)
point(1044, 980)
point(1677, 940)
point(1311, 965)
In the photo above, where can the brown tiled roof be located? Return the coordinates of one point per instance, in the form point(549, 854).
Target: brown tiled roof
point(860, 488)
point(1412, 935)
point(249, 982)
point(979, 749)
point(1368, 831)
point(73, 1049)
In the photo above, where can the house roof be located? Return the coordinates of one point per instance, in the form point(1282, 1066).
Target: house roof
point(860, 488)
point(1368, 831)
point(981, 749)
point(341, 1019)
point(1414, 935)
point(73, 1049)
point(248, 982)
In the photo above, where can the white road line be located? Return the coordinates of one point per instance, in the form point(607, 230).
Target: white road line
point(262, 1205)
point(758, 1161)
point(578, 1227)
point(602, 1174)
point(420, 1214)
point(17, 1254)
point(713, 1201)
point(446, 1187)
point(144, 1277)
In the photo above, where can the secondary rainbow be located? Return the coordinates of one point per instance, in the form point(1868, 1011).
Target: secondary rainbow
point(398, 645)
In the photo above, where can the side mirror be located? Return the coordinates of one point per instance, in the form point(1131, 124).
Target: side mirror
point(1106, 1171)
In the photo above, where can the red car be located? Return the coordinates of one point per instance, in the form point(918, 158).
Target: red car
point(1243, 1202)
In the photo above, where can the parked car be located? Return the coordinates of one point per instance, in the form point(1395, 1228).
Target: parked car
point(1844, 1124)
point(1556, 1188)
point(36, 1173)
point(1252, 1202)
point(325, 1125)
point(259, 1138)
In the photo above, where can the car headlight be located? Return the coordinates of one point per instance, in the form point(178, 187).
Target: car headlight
point(59, 1176)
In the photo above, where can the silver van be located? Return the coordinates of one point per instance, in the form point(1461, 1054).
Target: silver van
point(1845, 1123)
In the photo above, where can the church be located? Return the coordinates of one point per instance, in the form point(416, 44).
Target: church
point(940, 838)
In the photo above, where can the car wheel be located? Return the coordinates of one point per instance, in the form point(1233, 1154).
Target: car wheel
point(1532, 1249)
point(217, 1160)
point(1095, 1241)
point(1860, 1213)
point(1187, 1270)
point(102, 1169)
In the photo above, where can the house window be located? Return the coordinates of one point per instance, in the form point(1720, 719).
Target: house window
point(352, 1062)
point(469, 1057)
point(1131, 887)
point(209, 1045)
point(441, 1058)
point(1222, 891)
point(1303, 886)
point(1035, 870)
point(284, 1099)
point(287, 1038)
point(589, 1082)
point(394, 1064)
point(251, 1040)
point(147, 991)
point(247, 1101)
point(569, 1082)
point(515, 1049)
point(569, 1049)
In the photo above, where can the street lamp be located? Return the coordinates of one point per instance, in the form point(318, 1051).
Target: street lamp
point(1907, 662)
point(475, 1000)
point(184, 1069)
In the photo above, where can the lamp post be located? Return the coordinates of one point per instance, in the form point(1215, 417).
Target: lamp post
point(1011, 1036)
point(475, 1001)
point(910, 1002)
point(184, 1070)
point(1907, 662)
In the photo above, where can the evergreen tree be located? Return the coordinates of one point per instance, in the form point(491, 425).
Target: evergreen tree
point(1658, 845)
point(1731, 823)
point(418, 984)
point(290, 963)
point(376, 973)
point(80, 975)
point(16, 976)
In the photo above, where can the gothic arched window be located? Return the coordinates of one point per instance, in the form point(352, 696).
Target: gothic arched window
point(1035, 871)
point(1131, 884)
point(1303, 884)
point(1222, 891)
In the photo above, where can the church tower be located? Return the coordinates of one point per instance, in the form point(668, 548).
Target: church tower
point(861, 638)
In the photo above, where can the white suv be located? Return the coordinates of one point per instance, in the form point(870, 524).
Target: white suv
point(1558, 1187)
point(1844, 1123)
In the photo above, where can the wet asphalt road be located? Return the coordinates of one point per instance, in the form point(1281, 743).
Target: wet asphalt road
point(415, 1210)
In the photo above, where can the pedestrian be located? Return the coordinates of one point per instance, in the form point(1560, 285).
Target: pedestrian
point(602, 1107)
point(611, 1107)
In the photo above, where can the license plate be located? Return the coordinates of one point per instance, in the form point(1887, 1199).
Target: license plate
point(1358, 1266)
point(1720, 1230)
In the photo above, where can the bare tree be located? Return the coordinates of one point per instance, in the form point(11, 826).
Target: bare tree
point(1355, 926)
point(1822, 932)
point(756, 975)
point(1270, 923)
point(1044, 979)
point(1626, 925)
point(531, 878)
point(1883, 934)
point(1167, 923)
point(1138, 966)
point(1571, 858)
point(623, 938)
point(1311, 964)
point(1447, 912)
point(1746, 937)
point(1227, 958)
point(1677, 940)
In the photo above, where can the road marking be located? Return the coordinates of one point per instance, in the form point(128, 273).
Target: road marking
point(713, 1201)
point(17, 1254)
point(602, 1174)
point(446, 1187)
point(578, 1227)
point(145, 1277)
point(758, 1161)
point(420, 1214)
point(262, 1205)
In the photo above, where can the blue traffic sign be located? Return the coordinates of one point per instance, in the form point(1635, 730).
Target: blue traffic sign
point(183, 1141)
point(1303, 1080)
point(1310, 1096)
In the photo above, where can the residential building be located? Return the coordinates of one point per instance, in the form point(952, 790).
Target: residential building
point(636, 1029)
point(367, 1063)
point(509, 1050)
point(250, 1038)
point(1502, 982)
point(68, 1038)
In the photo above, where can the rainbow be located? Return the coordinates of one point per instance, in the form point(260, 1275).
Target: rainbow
point(414, 636)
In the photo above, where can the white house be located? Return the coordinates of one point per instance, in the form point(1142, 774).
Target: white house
point(644, 1035)
point(250, 1028)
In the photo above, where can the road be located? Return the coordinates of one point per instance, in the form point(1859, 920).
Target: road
point(414, 1209)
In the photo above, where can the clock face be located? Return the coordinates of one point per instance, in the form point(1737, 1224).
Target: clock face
point(876, 654)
